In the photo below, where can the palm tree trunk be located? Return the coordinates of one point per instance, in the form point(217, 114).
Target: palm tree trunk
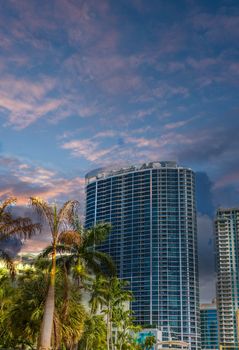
point(116, 335)
point(49, 308)
point(108, 331)
point(66, 295)
point(111, 333)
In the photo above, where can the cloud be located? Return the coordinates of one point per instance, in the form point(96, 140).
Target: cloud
point(202, 63)
point(87, 148)
point(23, 180)
point(178, 124)
point(125, 148)
point(25, 101)
point(230, 178)
point(218, 28)
point(109, 71)
point(210, 142)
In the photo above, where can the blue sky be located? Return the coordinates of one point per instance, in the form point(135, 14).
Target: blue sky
point(89, 83)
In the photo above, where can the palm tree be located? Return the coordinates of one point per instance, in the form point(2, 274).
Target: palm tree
point(78, 254)
point(81, 245)
point(110, 295)
point(10, 226)
point(6, 298)
point(21, 310)
point(94, 336)
point(125, 328)
point(69, 316)
point(25, 312)
point(99, 290)
point(59, 222)
point(150, 341)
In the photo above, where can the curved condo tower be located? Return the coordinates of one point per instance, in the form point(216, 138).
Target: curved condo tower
point(153, 241)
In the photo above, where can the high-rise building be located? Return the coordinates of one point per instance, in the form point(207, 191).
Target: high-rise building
point(227, 265)
point(209, 326)
point(153, 241)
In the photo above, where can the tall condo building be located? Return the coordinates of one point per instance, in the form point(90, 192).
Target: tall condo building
point(153, 241)
point(209, 326)
point(227, 254)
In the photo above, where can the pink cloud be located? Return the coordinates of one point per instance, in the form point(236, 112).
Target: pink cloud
point(26, 101)
point(25, 180)
point(122, 83)
point(228, 179)
point(88, 149)
point(166, 90)
point(203, 63)
point(234, 67)
point(31, 246)
point(179, 124)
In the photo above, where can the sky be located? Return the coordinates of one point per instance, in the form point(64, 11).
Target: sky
point(86, 84)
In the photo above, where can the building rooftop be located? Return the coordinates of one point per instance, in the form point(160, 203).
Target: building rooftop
point(223, 210)
point(209, 306)
point(102, 173)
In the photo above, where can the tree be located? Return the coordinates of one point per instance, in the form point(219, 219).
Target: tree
point(24, 315)
point(110, 295)
point(59, 222)
point(70, 315)
point(149, 342)
point(125, 329)
point(81, 246)
point(94, 336)
point(6, 298)
point(10, 226)
point(78, 256)
point(23, 310)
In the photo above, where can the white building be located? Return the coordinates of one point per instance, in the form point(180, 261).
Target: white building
point(227, 258)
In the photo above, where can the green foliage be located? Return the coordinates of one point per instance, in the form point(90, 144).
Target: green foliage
point(150, 341)
point(11, 226)
point(108, 324)
point(25, 313)
point(22, 309)
point(94, 336)
point(111, 298)
point(70, 313)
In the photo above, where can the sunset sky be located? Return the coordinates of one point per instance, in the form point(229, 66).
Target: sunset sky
point(85, 84)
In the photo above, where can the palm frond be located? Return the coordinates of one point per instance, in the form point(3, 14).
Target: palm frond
point(44, 210)
point(6, 203)
point(22, 227)
point(56, 336)
point(77, 225)
point(70, 237)
point(45, 252)
point(5, 257)
point(100, 261)
point(60, 248)
point(68, 211)
point(97, 234)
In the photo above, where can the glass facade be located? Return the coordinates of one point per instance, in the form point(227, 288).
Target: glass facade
point(153, 241)
point(227, 254)
point(209, 327)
